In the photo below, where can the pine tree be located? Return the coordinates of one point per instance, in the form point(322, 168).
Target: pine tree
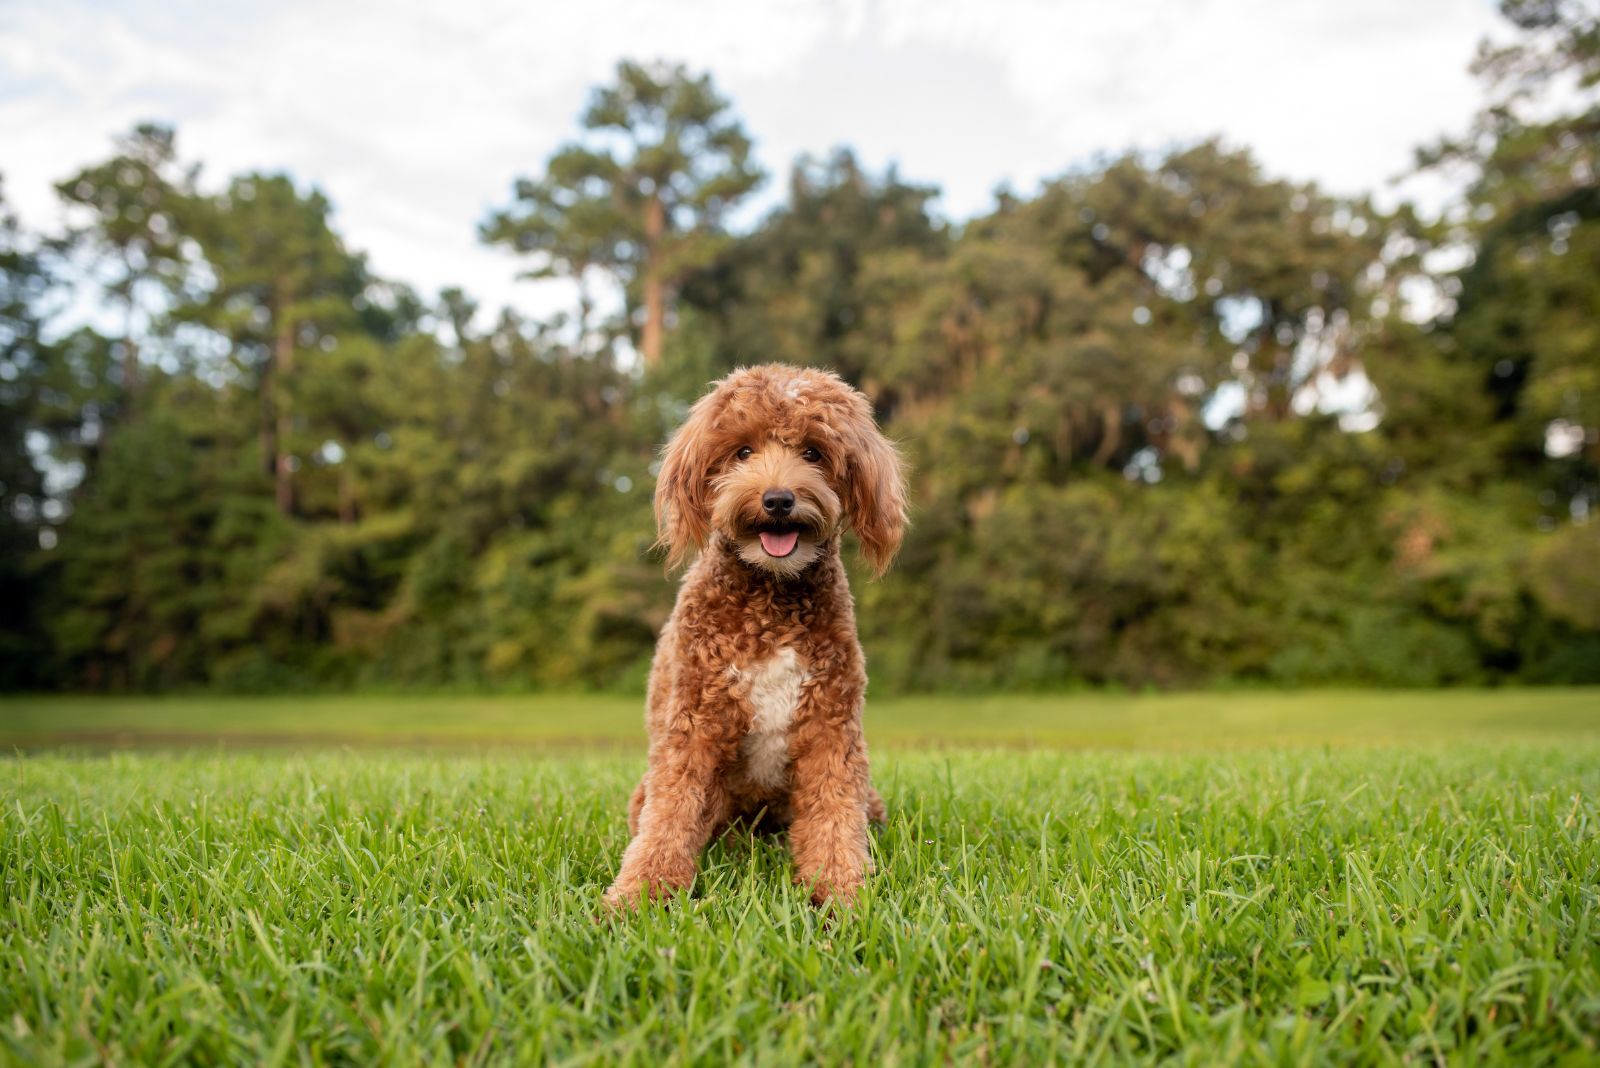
point(283, 282)
point(128, 215)
point(643, 196)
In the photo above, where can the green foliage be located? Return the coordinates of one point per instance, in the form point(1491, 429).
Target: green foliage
point(24, 362)
point(798, 289)
point(1524, 302)
point(1566, 576)
point(162, 541)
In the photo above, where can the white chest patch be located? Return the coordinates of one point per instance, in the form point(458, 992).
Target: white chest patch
point(774, 691)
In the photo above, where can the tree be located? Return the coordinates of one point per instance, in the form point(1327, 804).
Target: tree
point(571, 221)
point(283, 283)
point(643, 196)
point(23, 361)
point(1127, 465)
point(793, 288)
point(130, 211)
point(1524, 305)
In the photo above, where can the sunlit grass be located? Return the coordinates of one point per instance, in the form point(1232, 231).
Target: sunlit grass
point(1415, 904)
point(1090, 719)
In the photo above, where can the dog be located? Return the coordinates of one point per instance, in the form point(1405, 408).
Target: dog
point(755, 692)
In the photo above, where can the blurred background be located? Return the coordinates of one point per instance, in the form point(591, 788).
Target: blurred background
point(1230, 342)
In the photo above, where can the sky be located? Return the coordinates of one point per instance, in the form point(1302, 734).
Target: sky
point(415, 117)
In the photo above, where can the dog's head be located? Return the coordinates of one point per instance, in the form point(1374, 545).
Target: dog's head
point(780, 460)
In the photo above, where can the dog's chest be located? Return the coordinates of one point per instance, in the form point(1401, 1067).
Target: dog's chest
point(772, 688)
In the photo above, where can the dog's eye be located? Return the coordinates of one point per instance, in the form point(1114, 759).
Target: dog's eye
point(811, 455)
point(744, 453)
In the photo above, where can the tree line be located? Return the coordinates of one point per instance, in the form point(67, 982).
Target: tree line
point(1172, 421)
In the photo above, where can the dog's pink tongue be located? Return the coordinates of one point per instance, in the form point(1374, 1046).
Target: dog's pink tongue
point(779, 544)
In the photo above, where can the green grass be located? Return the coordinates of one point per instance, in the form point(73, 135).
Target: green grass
point(1223, 899)
point(1164, 721)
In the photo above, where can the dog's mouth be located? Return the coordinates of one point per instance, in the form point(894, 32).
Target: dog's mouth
point(779, 540)
point(778, 543)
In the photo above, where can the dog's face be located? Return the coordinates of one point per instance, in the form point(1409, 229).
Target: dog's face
point(779, 460)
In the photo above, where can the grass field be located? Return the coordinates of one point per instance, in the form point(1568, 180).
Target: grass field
point(1165, 721)
point(1196, 879)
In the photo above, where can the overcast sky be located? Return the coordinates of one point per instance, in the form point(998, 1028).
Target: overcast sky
point(414, 117)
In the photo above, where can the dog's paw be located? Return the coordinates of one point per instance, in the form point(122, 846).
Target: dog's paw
point(834, 898)
point(621, 899)
point(630, 896)
point(877, 812)
point(831, 893)
point(627, 894)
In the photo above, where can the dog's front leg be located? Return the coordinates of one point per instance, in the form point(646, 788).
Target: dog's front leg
point(829, 832)
point(684, 797)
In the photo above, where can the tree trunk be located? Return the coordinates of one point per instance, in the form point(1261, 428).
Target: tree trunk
point(283, 372)
point(1110, 433)
point(585, 307)
point(655, 298)
point(268, 433)
point(130, 360)
point(347, 492)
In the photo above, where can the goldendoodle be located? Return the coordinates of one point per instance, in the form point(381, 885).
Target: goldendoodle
point(755, 693)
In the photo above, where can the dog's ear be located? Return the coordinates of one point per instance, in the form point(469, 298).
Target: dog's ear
point(875, 491)
point(683, 487)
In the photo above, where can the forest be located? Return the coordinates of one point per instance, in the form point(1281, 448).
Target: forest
point(1171, 421)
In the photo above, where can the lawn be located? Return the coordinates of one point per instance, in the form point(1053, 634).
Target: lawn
point(1145, 888)
point(1162, 721)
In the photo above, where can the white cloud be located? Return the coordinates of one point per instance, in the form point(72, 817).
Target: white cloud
point(1336, 92)
point(414, 117)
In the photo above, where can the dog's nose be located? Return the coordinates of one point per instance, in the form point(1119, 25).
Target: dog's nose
point(778, 502)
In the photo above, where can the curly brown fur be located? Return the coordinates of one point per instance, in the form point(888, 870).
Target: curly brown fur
point(754, 706)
